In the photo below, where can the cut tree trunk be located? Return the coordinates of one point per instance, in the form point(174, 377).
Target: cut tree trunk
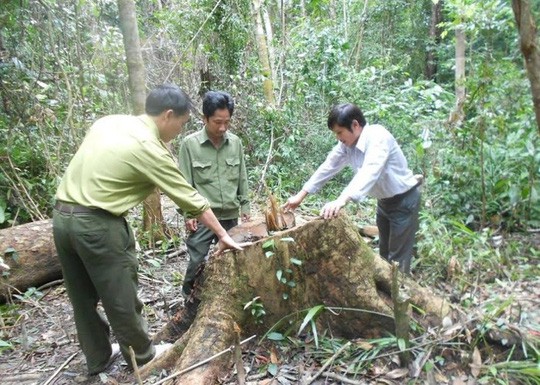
point(528, 42)
point(338, 269)
point(30, 253)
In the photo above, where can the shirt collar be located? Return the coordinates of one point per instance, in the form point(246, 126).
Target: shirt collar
point(203, 136)
point(149, 122)
point(362, 140)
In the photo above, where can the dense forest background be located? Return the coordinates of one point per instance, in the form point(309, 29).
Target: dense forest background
point(447, 78)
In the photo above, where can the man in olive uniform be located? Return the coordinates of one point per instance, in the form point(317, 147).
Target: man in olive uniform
point(120, 162)
point(212, 161)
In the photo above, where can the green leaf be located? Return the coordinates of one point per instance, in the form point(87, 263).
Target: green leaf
point(287, 239)
point(296, 261)
point(461, 227)
point(268, 254)
point(12, 253)
point(311, 315)
point(314, 332)
point(269, 244)
point(154, 262)
point(252, 302)
point(273, 369)
point(275, 336)
point(429, 366)
point(279, 275)
point(401, 344)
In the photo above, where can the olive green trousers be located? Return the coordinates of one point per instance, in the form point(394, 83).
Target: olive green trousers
point(97, 254)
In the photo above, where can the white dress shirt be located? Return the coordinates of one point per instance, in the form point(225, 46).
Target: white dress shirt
point(380, 167)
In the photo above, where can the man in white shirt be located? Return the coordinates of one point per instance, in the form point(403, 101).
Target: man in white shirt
point(381, 171)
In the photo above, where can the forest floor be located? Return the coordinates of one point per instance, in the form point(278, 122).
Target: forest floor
point(46, 351)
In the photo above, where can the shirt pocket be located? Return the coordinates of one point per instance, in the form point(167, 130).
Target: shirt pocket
point(202, 172)
point(232, 169)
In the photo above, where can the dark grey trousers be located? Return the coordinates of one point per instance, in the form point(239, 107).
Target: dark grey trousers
point(97, 254)
point(397, 220)
point(198, 244)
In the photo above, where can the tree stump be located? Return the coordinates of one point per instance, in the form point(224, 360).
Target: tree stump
point(30, 253)
point(337, 269)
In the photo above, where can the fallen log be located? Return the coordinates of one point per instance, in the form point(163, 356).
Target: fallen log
point(321, 262)
point(29, 252)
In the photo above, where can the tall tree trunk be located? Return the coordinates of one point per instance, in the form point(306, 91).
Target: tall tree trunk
point(434, 39)
point(270, 44)
point(460, 64)
point(134, 60)
point(457, 116)
point(359, 40)
point(529, 47)
point(262, 49)
point(153, 222)
point(321, 262)
point(332, 10)
point(345, 21)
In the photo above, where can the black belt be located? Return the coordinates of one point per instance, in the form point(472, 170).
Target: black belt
point(397, 197)
point(71, 208)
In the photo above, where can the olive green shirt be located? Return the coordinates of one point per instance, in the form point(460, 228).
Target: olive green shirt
point(119, 163)
point(219, 174)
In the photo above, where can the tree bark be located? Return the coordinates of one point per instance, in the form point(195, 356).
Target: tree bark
point(457, 115)
point(152, 216)
point(134, 60)
point(360, 37)
point(529, 47)
point(338, 269)
point(460, 63)
point(29, 252)
point(262, 49)
point(434, 39)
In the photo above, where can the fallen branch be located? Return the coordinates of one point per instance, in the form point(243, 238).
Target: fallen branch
point(342, 379)
point(60, 368)
point(240, 371)
point(18, 380)
point(230, 349)
point(135, 367)
point(326, 364)
point(50, 284)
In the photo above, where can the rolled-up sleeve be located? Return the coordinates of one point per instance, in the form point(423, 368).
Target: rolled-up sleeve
point(243, 188)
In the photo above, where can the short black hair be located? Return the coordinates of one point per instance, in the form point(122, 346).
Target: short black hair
point(168, 97)
point(344, 114)
point(217, 100)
